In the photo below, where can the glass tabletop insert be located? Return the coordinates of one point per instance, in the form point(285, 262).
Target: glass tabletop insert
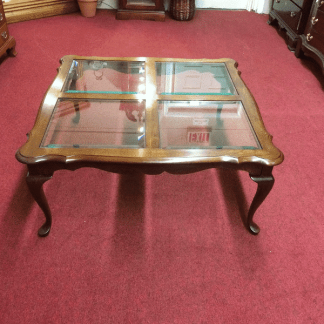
point(115, 77)
point(186, 78)
point(96, 124)
point(112, 123)
point(205, 124)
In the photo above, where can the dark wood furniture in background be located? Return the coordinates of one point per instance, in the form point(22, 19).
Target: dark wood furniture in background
point(141, 9)
point(22, 10)
point(7, 42)
point(292, 16)
point(311, 43)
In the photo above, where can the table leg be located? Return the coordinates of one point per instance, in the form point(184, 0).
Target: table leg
point(35, 185)
point(265, 183)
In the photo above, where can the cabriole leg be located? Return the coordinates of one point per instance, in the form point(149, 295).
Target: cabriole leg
point(35, 185)
point(265, 183)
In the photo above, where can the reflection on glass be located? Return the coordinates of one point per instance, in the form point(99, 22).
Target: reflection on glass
point(96, 124)
point(116, 77)
point(205, 124)
point(193, 78)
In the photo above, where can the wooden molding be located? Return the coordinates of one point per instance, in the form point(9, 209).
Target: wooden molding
point(22, 10)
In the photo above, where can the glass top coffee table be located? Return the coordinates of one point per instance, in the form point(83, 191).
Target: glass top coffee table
point(148, 115)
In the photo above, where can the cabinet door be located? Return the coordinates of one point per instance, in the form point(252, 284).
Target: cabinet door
point(289, 12)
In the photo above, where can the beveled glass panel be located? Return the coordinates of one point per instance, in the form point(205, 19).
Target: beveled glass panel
point(187, 78)
point(116, 77)
point(96, 124)
point(205, 124)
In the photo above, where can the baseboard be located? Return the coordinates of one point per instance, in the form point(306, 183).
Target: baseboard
point(22, 10)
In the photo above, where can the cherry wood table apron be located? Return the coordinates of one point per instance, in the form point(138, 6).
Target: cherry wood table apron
point(39, 173)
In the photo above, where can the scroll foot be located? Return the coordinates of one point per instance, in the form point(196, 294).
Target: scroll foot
point(254, 228)
point(35, 185)
point(12, 52)
point(265, 183)
point(45, 229)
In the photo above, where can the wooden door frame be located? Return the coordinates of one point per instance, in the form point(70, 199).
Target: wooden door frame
point(22, 10)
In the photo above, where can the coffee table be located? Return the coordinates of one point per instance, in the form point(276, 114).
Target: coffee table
point(148, 115)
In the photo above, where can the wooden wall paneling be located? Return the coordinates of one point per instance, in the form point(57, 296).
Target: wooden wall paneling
point(21, 10)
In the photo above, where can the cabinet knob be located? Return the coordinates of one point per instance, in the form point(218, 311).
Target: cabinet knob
point(314, 21)
point(4, 35)
point(320, 3)
point(292, 14)
point(309, 37)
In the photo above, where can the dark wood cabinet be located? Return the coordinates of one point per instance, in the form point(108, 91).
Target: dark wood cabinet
point(292, 16)
point(141, 9)
point(7, 42)
point(311, 43)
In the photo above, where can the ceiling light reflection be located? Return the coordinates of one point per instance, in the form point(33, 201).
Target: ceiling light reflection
point(141, 87)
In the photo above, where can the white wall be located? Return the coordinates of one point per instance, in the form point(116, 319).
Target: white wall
point(221, 4)
point(260, 6)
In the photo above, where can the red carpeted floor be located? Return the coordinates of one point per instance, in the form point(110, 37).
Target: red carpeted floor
point(165, 249)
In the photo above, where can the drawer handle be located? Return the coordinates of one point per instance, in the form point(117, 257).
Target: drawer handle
point(309, 37)
point(278, 1)
point(1, 16)
point(314, 21)
point(292, 14)
point(4, 35)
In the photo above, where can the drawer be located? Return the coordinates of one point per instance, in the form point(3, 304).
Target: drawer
point(316, 40)
point(4, 34)
point(289, 12)
point(317, 22)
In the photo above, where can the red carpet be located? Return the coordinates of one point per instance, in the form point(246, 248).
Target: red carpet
point(165, 249)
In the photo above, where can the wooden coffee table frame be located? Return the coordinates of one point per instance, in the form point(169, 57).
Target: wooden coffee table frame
point(42, 162)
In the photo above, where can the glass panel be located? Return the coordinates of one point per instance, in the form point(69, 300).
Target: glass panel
point(205, 124)
point(86, 76)
point(140, 3)
point(96, 124)
point(193, 78)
